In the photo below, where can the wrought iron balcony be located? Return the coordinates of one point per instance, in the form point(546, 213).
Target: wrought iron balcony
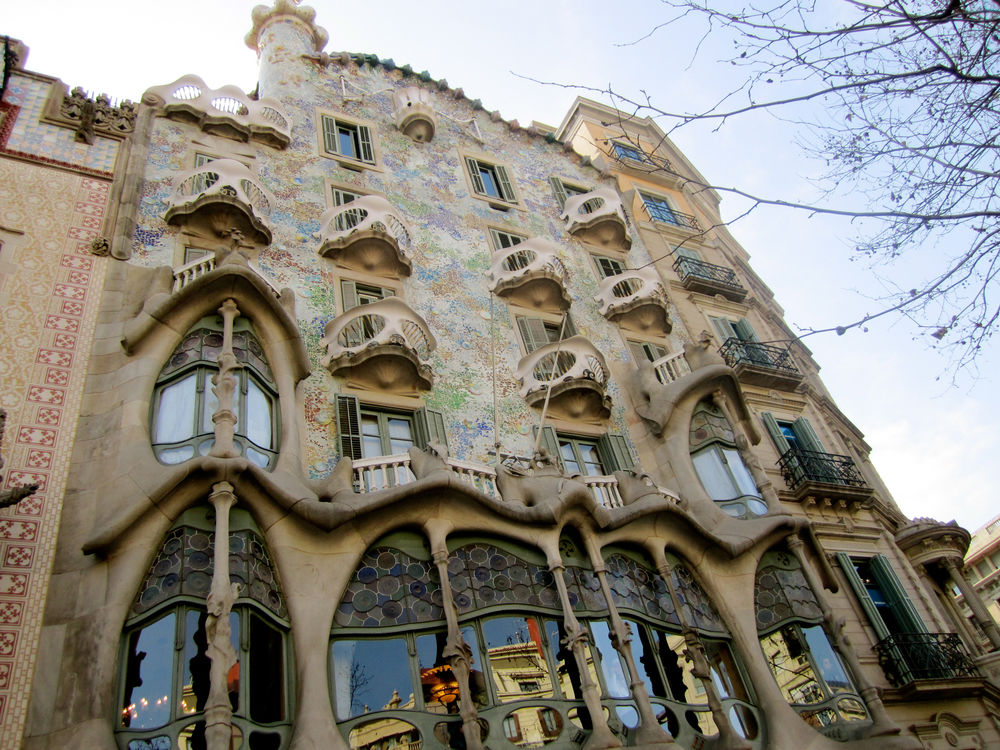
point(708, 278)
point(636, 300)
point(575, 372)
point(761, 364)
point(661, 213)
point(226, 111)
point(384, 345)
point(414, 108)
point(906, 657)
point(799, 466)
point(530, 273)
point(598, 217)
point(222, 184)
point(366, 235)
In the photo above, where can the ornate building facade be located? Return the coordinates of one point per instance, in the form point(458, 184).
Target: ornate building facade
point(398, 424)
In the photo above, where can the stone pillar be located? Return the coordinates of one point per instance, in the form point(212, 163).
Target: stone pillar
point(456, 650)
point(882, 724)
point(224, 386)
point(218, 710)
point(975, 603)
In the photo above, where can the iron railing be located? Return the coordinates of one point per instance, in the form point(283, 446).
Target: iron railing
point(779, 358)
point(798, 466)
point(905, 657)
point(665, 214)
point(699, 269)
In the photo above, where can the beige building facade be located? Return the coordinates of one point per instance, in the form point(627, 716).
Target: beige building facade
point(401, 425)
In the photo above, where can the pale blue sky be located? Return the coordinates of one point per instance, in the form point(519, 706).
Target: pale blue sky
point(932, 443)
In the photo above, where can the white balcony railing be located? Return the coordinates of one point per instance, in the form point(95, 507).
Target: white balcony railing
point(671, 367)
point(226, 179)
point(372, 474)
point(605, 489)
point(369, 225)
point(227, 109)
point(563, 362)
point(598, 215)
point(193, 270)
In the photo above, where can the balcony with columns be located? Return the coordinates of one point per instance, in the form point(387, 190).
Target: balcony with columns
point(383, 345)
point(226, 195)
point(636, 300)
point(366, 235)
point(572, 374)
point(531, 274)
point(598, 218)
point(227, 111)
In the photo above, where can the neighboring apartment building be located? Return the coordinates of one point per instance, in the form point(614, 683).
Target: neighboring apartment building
point(507, 444)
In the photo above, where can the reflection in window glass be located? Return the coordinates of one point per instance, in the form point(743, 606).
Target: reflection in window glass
point(788, 661)
point(614, 674)
point(370, 675)
point(517, 658)
point(440, 688)
point(148, 671)
point(477, 680)
point(826, 660)
point(267, 665)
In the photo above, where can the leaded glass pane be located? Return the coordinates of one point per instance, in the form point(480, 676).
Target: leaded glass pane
point(637, 588)
point(782, 592)
point(698, 608)
point(482, 575)
point(584, 589)
point(390, 588)
point(709, 423)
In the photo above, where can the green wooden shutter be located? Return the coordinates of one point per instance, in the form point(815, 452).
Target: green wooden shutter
point(570, 328)
point(200, 159)
point(615, 453)
point(428, 427)
point(686, 252)
point(871, 611)
point(638, 351)
point(895, 595)
point(506, 188)
point(349, 426)
point(387, 292)
point(559, 190)
point(477, 180)
point(771, 424)
point(367, 152)
point(550, 442)
point(533, 333)
point(744, 330)
point(724, 328)
point(807, 436)
point(349, 294)
point(330, 142)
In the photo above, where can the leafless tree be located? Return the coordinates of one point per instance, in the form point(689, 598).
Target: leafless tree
point(900, 98)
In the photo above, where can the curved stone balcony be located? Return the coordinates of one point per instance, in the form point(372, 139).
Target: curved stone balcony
point(223, 191)
point(414, 109)
point(574, 371)
point(530, 274)
point(636, 300)
point(366, 235)
point(598, 217)
point(227, 111)
point(383, 345)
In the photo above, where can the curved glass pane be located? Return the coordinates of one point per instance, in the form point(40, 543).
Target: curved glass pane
point(826, 660)
point(517, 658)
point(740, 472)
point(713, 475)
point(614, 673)
point(370, 675)
point(149, 669)
point(533, 726)
point(175, 412)
point(383, 734)
point(438, 682)
point(258, 418)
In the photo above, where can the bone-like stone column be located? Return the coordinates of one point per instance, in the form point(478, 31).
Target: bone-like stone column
point(218, 710)
point(224, 384)
point(974, 601)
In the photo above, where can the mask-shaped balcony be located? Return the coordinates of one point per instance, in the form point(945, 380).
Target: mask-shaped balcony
point(597, 217)
point(366, 235)
point(383, 345)
point(530, 274)
point(636, 300)
point(577, 375)
point(227, 111)
point(225, 193)
point(708, 278)
point(761, 364)
point(415, 116)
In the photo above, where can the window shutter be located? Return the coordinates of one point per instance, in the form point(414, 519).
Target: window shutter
point(724, 328)
point(807, 437)
point(871, 611)
point(570, 328)
point(428, 427)
point(895, 595)
point(349, 426)
point(365, 142)
point(559, 190)
point(686, 252)
point(387, 292)
point(775, 432)
point(349, 292)
point(200, 159)
point(506, 189)
point(615, 452)
point(638, 350)
point(532, 333)
point(550, 443)
point(477, 180)
point(330, 135)
point(744, 330)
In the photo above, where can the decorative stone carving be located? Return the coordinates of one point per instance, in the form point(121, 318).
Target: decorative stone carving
point(305, 15)
point(100, 247)
point(91, 117)
point(569, 377)
point(415, 116)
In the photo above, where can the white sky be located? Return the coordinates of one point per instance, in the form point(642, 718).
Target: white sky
point(931, 441)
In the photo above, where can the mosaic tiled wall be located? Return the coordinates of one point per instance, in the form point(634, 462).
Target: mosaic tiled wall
point(49, 291)
point(451, 251)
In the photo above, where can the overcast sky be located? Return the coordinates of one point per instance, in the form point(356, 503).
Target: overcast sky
point(932, 442)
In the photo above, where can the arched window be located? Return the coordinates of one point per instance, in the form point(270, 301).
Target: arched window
point(719, 466)
point(184, 402)
point(807, 668)
point(165, 665)
point(658, 646)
